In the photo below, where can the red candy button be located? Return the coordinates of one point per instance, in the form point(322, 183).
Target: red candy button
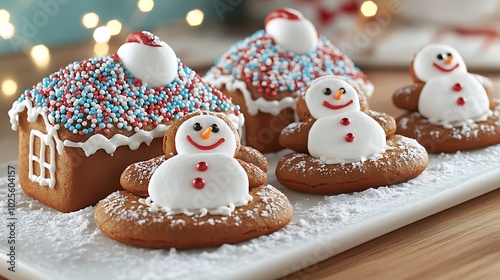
point(345, 121)
point(198, 183)
point(202, 166)
point(461, 101)
point(457, 87)
point(349, 137)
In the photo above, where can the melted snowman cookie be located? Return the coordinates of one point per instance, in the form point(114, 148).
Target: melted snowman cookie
point(197, 182)
point(342, 149)
point(450, 109)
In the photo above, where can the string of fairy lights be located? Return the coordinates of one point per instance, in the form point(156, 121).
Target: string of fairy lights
point(102, 33)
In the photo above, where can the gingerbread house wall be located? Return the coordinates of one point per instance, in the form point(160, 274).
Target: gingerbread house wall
point(80, 181)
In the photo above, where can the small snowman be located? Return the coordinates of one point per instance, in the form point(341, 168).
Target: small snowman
point(451, 96)
point(341, 132)
point(148, 58)
point(291, 30)
point(204, 177)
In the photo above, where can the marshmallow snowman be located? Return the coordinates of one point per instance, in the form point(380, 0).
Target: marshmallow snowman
point(148, 58)
point(451, 96)
point(291, 30)
point(204, 176)
point(341, 133)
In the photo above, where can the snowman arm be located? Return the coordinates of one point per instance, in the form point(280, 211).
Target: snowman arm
point(135, 178)
point(252, 156)
point(386, 121)
point(256, 177)
point(487, 83)
point(295, 136)
point(407, 97)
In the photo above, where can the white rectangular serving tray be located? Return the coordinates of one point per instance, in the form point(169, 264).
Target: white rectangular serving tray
point(53, 245)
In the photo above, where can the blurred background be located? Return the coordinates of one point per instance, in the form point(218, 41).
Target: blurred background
point(41, 36)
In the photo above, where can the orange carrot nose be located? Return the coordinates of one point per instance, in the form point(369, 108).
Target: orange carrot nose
point(339, 93)
point(449, 59)
point(206, 133)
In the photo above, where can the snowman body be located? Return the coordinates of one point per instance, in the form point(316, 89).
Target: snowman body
point(454, 99)
point(346, 137)
point(197, 181)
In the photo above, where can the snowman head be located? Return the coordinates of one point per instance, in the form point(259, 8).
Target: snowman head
point(331, 95)
point(291, 30)
point(436, 60)
point(206, 133)
point(148, 58)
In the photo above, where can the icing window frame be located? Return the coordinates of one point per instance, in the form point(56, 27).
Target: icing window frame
point(45, 141)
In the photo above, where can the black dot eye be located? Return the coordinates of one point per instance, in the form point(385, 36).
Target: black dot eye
point(327, 91)
point(343, 90)
point(197, 126)
point(448, 54)
point(215, 128)
point(440, 57)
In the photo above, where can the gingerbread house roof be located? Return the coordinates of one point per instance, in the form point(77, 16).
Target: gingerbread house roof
point(259, 61)
point(98, 99)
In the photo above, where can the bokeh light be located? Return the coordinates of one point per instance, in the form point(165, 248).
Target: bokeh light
point(369, 8)
point(9, 87)
point(40, 55)
point(4, 16)
point(102, 34)
point(195, 17)
point(90, 20)
point(145, 5)
point(7, 30)
point(115, 26)
point(101, 49)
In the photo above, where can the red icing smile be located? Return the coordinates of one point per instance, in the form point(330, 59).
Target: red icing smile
point(202, 147)
point(444, 69)
point(336, 107)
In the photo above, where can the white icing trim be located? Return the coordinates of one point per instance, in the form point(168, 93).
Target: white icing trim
point(45, 140)
point(33, 114)
point(98, 141)
point(221, 210)
point(273, 107)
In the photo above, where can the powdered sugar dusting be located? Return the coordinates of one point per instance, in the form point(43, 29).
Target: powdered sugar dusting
point(70, 246)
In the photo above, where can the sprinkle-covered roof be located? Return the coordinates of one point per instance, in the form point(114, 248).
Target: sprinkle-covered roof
point(271, 69)
point(96, 94)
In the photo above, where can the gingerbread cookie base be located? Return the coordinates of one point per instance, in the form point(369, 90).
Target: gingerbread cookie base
point(123, 218)
point(405, 160)
point(437, 139)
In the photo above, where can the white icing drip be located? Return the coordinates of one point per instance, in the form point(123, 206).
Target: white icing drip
point(45, 140)
point(98, 141)
point(273, 107)
point(238, 121)
point(33, 113)
point(221, 210)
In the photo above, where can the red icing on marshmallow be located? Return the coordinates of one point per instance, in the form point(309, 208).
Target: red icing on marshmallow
point(198, 183)
point(145, 38)
point(349, 137)
point(457, 87)
point(444, 69)
point(205, 148)
point(336, 107)
point(283, 13)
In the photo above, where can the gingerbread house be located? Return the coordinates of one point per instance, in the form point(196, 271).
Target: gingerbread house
point(80, 127)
